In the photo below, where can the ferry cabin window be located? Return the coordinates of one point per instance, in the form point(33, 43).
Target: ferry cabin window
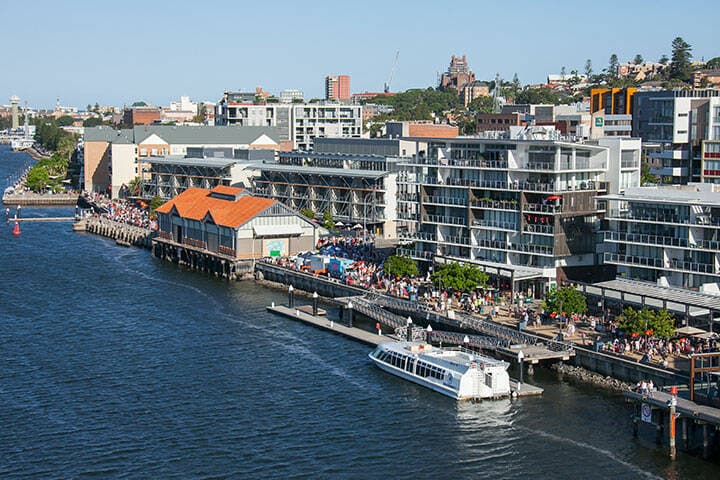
point(489, 380)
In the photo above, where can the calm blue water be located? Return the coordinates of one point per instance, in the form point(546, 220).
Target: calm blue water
point(115, 365)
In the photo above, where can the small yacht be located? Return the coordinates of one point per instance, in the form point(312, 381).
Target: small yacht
point(456, 372)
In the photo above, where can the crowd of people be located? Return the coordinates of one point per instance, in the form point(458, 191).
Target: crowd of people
point(121, 211)
point(124, 212)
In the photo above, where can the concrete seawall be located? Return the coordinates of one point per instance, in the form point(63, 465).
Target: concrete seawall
point(305, 281)
point(626, 370)
point(122, 233)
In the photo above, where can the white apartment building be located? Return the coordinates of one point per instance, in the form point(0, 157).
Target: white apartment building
point(299, 122)
point(523, 207)
point(666, 234)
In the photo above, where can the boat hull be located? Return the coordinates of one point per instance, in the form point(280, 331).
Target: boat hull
point(415, 379)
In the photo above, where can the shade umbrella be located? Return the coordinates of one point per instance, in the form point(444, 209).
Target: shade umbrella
point(688, 330)
point(357, 226)
point(339, 224)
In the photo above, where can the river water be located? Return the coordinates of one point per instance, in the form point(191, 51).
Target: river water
point(115, 365)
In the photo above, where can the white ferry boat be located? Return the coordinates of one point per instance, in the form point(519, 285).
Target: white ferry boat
point(455, 372)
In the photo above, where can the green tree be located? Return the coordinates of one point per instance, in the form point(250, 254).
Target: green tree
point(564, 299)
point(327, 220)
point(588, 68)
point(139, 104)
point(613, 66)
point(135, 187)
point(464, 278)
point(419, 104)
point(306, 212)
point(660, 322)
point(646, 177)
point(482, 104)
point(638, 60)
point(538, 96)
point(663, 59)
point(713, 63)
point(201, 115)
point(400, 266)
point(64, 121)
point(155, 202)
point(37, 179)
point(92, 122)
point(680, 68)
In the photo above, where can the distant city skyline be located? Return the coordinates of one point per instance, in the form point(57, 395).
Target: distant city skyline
point(113, 54)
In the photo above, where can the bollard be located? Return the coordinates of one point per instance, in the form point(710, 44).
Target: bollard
point(409, 329)
point(315, 304)
point(291, 296)
point(349, 314)
point(671, 421)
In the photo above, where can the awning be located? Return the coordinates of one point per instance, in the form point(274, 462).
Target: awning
point(688, 330)
point(277, 230)
point(553, 197)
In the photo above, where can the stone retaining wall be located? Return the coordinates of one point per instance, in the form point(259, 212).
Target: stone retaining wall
point(122, 233)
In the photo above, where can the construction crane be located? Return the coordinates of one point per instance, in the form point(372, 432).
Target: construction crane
point(392, 72)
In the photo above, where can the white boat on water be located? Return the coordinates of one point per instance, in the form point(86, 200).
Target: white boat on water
point(456, 372)
point(20, 144)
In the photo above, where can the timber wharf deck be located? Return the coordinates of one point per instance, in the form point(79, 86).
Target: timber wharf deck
point(654, 408)
point(303, 314)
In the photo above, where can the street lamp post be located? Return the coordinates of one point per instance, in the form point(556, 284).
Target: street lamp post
point(520, 357)
point(291, 296)
point(409, 329)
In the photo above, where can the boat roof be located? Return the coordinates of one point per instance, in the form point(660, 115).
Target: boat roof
point(456, 359)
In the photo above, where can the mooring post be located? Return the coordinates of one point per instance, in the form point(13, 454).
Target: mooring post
point(349, 314)
point(315, 304)
point(291, 296)
point(671, 421)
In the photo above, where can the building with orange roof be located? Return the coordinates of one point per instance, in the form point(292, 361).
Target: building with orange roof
point(226, 229)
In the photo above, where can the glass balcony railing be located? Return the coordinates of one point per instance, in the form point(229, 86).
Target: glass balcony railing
point(660, 240)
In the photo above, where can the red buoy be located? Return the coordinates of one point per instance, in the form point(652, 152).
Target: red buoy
point(16, 229)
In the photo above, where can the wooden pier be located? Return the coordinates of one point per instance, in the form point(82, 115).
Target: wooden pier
point(304, 314)
point(43, 219)
point(40, 200)
point(661, 410)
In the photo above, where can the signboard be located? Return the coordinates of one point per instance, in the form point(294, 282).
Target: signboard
point(275, 248)
point(646, 413)
point(598, 121)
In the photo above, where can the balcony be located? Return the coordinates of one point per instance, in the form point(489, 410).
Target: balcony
point(495, 205)
point(441, 200)
point(541, 229)
point(415, 254)
point(457, 240)
point(535, 249)
point(445, 219)
point(511, 226)
point(663, 241)
point(542, 208)
point(669, 219)
point(672, 264)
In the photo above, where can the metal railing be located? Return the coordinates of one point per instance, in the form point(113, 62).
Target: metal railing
point(495, 204)
point(543, 229)
point(506, 335)
point(495, 224)
point(661, 240)
point(542, 208)
point(446, 200)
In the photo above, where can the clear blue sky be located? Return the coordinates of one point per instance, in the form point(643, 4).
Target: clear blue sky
point(118, 52)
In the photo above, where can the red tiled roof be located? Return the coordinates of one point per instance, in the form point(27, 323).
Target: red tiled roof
point(196, 203)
